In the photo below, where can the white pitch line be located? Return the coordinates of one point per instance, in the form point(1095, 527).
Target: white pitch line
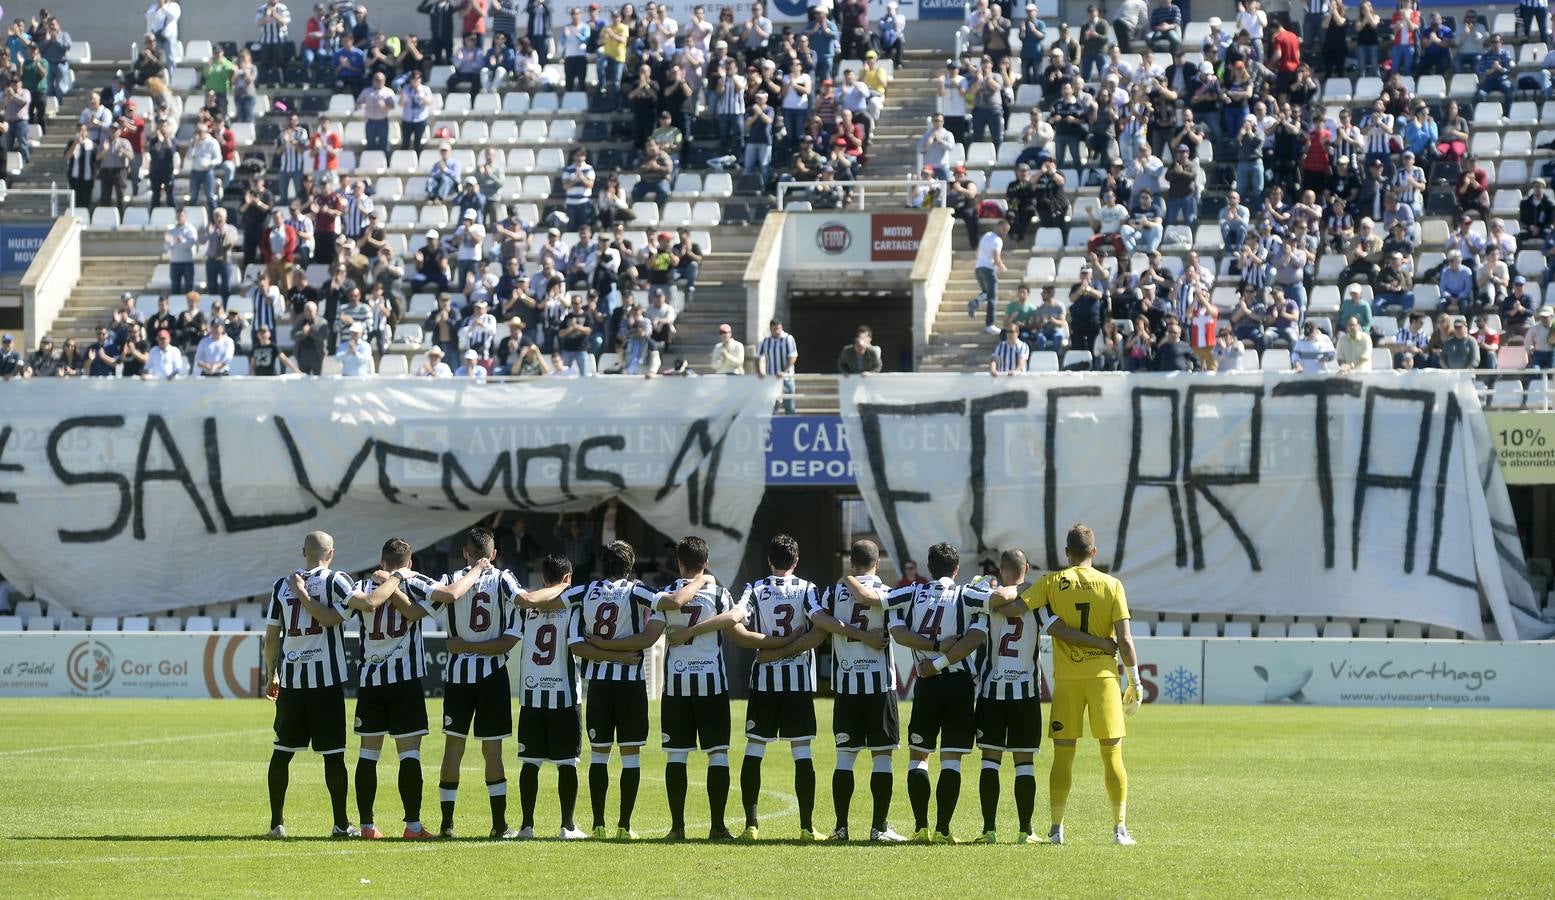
point(135, 743)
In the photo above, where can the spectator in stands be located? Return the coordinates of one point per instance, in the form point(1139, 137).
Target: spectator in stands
point(728, 356)
point(179, 242)
point(777, 356)
point(1495, 74)
point(415, 109)
point(935, 147)
point(860, 356)
point(1172, 353)
point(654, 174)
point(55, 49)
point(1536, 213)
point(1460, 350)
point(1540, 340)
point(11, 365)
point(41, 364)
point(355, 354)
point(219, 239)
point(1009, 354)
point(952, 113)
point(1492, 280)
point(1455, 284)
point(1314, 352)
point(311, 339)
point(1353, 349)
point(578, 181)
point(215, 352)
point(1143, 230)
point(1517, 308)
point(443, 177)
point(1354, 305)
point(891, 34)
point(1050, 325)
point(163, 363)
point(990, 262)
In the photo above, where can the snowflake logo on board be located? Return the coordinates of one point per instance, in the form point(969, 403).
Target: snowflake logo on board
point(1181, 685)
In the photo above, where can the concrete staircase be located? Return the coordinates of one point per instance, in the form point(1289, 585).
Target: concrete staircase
point(111, 264)
point(28, 196)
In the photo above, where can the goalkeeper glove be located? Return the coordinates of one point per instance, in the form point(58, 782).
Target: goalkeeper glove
point(1131, 698)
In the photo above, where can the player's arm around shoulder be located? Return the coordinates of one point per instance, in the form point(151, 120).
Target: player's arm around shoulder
point(545, 599)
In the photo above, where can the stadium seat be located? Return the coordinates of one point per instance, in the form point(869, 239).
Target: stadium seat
point(168, 623)
point(1338, 630)
point(10, 623)
point(1042, 361)
point(72, 623)
point(105, 623)
point(1238, 630)
point(252, 613)
point(1372, 630)
point(1441, 633)
point(40, 623)
point(136, 623)
point(239, 367)
point(231, 623)
point(393, 364)
point(1275, 360)
point(1168, 629)
point(1203, 630)
point(1302, 630)
point(706, 214)
point(1271, 629)
point(199, 623)
point(1077, 361)
point(1407, 631)
point(26, 609)
point(676, 213)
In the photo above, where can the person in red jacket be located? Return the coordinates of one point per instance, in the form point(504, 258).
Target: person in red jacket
point(278, 248)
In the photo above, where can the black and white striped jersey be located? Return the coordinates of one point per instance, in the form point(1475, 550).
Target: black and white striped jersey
point(550, 676)
point(696, 668)
point(484, 613)
point(312, 655)
point(1009, 657)
point(935, 610)
point(610, 610)
point(778, 606)
point(392, 649)
point(856, 668)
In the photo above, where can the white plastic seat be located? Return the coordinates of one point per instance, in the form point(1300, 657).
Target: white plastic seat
point(231, 623)
point(687, 186)
point(1171, 629)
point(1302, 630)
point(1237, 630)
point(476, 133)
point(515, 103)
point(1040, 270)
point(1042, 361)
point(550, 160)
point(544, 104)
point(404, 162)
point(371, 162)
point(563, 131)
point(504, 132)
point(575, 101)
point(645, 213)
point(1077, 360)
point(393, 364)
point(1276, 360)
point(1372, 630)
point(10, 623)
point(536, 187)
point(456, 104)
point(487, 104)
point(981, 155)
point(72, 623)
point(532, 131)
point(40, 623)
point(718, 186)
point(341, 104)
point(1271, 629)
point(1338, 630)
point(105, 623)
point(136, 624)
point(1203, 630)
point(706, 214)
point(167, 623)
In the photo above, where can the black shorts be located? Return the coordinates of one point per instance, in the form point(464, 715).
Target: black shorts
point(553, 734)
point(692, 722)
point(488, 703)
point(314, 716)
point(1013, 725)
point(398, 710)
point(780, 715)
point(942, 713)
point(866, 721)
point(617, 713)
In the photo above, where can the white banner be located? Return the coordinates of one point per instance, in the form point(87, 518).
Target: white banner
point(86, 664)
point(130, 497)
point(1379, 673)
point(1373, 496)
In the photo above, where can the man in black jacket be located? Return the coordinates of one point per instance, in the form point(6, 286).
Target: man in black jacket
point(1536, 213)
point(440, 14)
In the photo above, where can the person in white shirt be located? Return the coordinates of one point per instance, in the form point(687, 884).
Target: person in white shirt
point(480, 332)
point(469, 244)
point(165, 362)
point(204, 160)
point(1314, 353)
point(356, 355)
point(472, 367)
point(415, 109)
point(728, 353)
point(162, 23)
point(990, 262)
point(434, 367)
point(376, 101)
point(935, 147)
point(214, 355)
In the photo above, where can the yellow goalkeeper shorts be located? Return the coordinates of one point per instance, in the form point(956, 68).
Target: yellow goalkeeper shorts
point(1074, 699)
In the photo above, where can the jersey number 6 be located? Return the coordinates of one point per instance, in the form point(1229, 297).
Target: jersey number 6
point(480, 616)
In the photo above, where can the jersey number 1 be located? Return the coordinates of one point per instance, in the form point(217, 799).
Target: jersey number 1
point(295, 630)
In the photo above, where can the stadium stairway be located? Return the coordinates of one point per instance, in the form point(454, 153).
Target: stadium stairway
point(28, 194)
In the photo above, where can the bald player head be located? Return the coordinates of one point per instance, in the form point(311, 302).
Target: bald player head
point(318, 548)
point(1012, 567)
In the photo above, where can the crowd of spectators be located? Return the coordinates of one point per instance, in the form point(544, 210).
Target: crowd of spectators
point(34, 67)
point(1239, 137)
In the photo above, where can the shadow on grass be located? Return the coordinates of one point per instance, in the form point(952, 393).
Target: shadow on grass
point(645, 842)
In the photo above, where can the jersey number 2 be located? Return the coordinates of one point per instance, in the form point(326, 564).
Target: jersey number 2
point(1012, 637)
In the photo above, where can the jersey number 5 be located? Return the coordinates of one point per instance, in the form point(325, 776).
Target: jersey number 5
point(859, 619)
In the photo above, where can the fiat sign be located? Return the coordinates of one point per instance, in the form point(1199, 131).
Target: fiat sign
point(833, 238)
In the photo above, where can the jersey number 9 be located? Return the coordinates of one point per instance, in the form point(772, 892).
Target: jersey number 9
point(545, 645)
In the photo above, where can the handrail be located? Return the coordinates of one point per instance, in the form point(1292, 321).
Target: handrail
point(857, 192)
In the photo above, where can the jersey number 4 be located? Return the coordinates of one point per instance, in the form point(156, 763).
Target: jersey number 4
point(295, 630)
point(931, 623)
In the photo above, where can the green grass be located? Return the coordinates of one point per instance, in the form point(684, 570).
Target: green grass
point(166, 798)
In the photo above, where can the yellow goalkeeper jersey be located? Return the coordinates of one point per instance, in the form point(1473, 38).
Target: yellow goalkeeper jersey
point(1086, 600)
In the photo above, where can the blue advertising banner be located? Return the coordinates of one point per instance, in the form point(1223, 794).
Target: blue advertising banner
point(18, 245)
point(809, 450)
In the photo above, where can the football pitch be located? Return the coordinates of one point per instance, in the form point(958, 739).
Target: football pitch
point(142, 797)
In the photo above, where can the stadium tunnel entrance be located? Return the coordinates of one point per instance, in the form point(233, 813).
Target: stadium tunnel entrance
point(827, 318)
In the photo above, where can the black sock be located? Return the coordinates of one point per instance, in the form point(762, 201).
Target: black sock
point(336, 780)
point(988, 794)
point(947, 792)
point(804, 789)
point(675, 783)
point(499, 805)
point(567, 792)
point(841, 794)
point(1025, 799)
point(280, 772)
point(528, 789)
point(630, 779)
point(599, 786)
point(750, 788)
point(366, 787)
point(410, 788)
point(448, 804)
point(880, 785)
point(717, 795)
point(918, 795)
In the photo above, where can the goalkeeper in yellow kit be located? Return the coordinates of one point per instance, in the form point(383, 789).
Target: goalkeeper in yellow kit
point(1085, 679)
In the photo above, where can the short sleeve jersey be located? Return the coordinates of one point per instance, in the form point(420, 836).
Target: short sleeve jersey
point(776, 606)
point(392, 649)
point(1009, 666)
point(1086, 600)
point(548, 672)
point(609, 610)
point(312, 655)
point(696, 668)
point(856, 667)
point(484, 613)
point(934, 610)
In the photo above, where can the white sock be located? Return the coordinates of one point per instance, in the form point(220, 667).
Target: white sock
point(600, 759)
point(883, 765)
point(801, 752)
point(499, 789)
point(846, 759)
point(919, 765)
point(677, 756)
point(947, 765)
point(369, 755)
point(990, 764)
point(1025, 769)
point(410, 754)
point(634, 761)
point(719, 759)
point(756, 749)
